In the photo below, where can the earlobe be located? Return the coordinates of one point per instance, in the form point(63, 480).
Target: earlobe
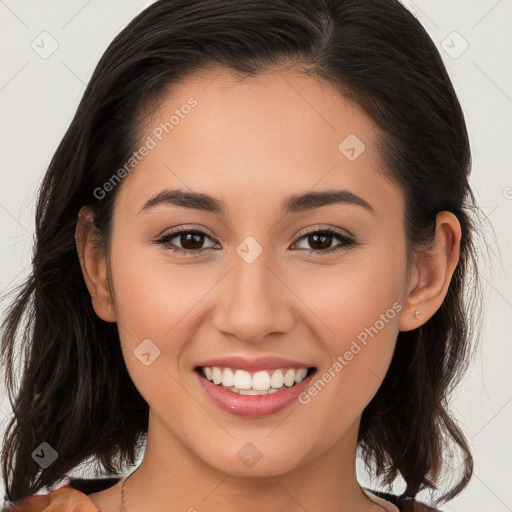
point(94, 265)
point(433, 271)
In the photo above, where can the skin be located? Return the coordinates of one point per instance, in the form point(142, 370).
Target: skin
point(252, 144)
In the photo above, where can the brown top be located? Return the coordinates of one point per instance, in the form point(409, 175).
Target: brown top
point(64, 499)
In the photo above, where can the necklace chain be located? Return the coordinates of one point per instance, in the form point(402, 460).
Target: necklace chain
point(122, 505)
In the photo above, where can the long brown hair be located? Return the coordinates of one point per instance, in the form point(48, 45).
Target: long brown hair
point(75, 392)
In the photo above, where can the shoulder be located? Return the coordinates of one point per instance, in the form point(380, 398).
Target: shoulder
point(65, 499)
point(71, 497)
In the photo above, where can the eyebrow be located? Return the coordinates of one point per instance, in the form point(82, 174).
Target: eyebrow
point(293, 204)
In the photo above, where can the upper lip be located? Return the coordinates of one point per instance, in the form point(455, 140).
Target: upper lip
point(253, 364)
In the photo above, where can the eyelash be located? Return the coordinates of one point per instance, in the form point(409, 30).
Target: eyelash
point(347, 242)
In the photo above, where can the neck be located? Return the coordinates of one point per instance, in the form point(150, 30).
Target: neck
point(176, 475)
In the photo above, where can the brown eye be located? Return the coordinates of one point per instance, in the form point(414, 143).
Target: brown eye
point(191, 241)
point(320, 241)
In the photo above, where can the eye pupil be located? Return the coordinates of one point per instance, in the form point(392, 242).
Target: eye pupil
point(197, 237)
point(322, 245)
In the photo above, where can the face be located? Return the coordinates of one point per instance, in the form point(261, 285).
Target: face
point(251, 286)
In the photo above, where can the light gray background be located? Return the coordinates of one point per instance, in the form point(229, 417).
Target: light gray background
point(38, 97)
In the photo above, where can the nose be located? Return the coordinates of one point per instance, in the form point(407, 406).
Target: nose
point(254, 301)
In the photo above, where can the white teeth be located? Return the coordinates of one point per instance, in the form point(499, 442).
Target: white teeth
point(300, 375)
point(250, 392)
point(228, 377)
point(261, 381)
point(216, 375)
point(258, 383)
point(277, 379)
point(242, 380)
point(289, 378)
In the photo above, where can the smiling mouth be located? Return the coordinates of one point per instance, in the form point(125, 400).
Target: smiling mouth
point(264, 382)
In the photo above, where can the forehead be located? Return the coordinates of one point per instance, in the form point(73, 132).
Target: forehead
point(266, 136)
point(263, 111)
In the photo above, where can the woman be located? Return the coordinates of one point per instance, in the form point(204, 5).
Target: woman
point(252, 247)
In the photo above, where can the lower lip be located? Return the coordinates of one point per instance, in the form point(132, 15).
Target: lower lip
point(252, 405)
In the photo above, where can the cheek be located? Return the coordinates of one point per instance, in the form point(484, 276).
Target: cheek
point(359, 308)
point(153, 297)
point(159, 302)
point(152, 303)
point(352, 296)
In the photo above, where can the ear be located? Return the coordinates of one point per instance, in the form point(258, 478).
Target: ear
point(93, 262)
point(431, 273)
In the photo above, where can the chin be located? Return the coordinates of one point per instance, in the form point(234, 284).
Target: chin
point(256, 459)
